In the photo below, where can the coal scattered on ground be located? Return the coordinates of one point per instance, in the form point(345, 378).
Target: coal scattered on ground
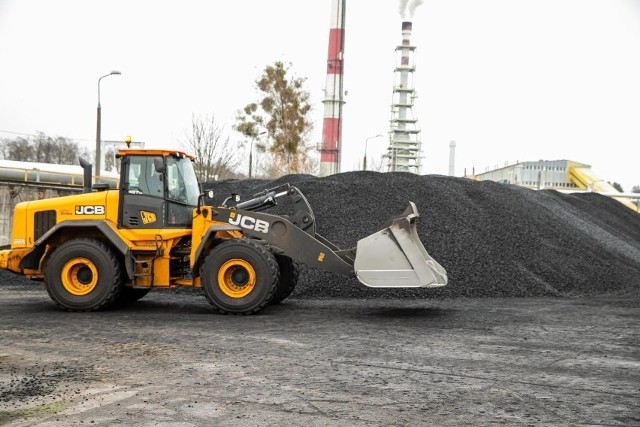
point(36, 381)
point(494, 240)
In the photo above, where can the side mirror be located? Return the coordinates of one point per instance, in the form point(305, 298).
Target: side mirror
point(201, 197)
point(158, 164)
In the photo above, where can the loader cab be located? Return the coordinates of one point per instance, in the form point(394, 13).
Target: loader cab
point(159, 189)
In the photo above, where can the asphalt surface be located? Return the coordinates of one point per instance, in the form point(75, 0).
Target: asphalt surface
point(169, 360)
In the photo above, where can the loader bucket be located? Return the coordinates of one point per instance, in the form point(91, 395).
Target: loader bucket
point(395, 257)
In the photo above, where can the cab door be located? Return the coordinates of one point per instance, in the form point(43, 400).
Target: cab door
point(181, 191)
point(143, 192)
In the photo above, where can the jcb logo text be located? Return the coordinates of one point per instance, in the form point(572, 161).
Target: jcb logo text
point(249, 222)
point(147, 217)
point(90, 210)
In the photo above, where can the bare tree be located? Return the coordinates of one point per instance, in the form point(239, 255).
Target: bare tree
point(110, 159)
point(216, 157)
point(18, 149)
point(378, 164)
point(43, 149)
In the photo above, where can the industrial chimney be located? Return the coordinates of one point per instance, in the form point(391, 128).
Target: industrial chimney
point(404, 152)
point(452, 158)
point(330, 152)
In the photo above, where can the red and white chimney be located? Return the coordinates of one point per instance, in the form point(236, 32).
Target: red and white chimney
point(407, 26)
point(330, 152)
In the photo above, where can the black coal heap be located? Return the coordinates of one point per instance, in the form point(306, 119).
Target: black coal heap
point(494, 240)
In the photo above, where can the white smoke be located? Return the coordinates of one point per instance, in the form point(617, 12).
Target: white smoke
point(408, 7)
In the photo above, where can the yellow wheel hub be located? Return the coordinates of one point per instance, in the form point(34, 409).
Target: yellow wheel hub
point(236, 278)
point(79, 276)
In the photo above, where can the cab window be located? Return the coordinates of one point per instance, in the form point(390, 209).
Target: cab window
point(182, 184)
point(143, 178)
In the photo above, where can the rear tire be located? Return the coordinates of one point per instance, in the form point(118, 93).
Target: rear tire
point(239, 276)
point(289, 274)
point(83, 275)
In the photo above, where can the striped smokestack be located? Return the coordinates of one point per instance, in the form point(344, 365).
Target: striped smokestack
point(406, 33)
point(406, 41)
point(330, 153)
point(404, 69)
point(404, 153)
point(452, 158)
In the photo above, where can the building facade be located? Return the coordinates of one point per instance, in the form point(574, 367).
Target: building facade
point(552, 174)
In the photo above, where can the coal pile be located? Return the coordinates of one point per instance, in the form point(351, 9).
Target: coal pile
point(494, 240)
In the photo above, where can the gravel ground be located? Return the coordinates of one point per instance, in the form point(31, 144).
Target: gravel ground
point(169, 361)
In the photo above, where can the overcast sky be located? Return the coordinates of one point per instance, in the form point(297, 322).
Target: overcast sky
point(508, 80)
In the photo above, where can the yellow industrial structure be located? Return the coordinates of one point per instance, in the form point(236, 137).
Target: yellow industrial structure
point(561, 175)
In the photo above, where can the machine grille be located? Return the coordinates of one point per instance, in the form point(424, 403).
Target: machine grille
point(43, 221)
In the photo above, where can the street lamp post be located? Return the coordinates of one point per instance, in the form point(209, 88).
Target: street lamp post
point(98, 129)
point(366, 143)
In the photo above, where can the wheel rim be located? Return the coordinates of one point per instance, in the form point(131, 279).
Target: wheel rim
point(79, 276)
point(236, 278)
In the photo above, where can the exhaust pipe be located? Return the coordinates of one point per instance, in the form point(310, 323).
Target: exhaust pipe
point(86, 180)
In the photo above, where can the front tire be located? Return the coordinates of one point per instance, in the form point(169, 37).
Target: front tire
point(83, 275)
point(239, 276)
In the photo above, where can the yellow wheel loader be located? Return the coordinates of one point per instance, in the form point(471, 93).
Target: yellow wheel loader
point(113, 245)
